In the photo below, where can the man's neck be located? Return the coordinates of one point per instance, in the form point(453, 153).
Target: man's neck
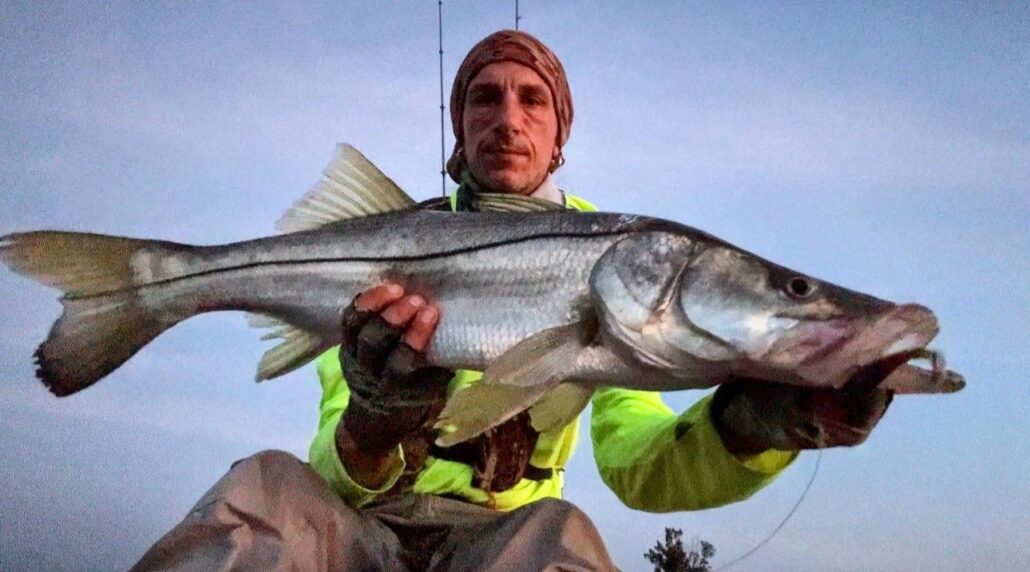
point(549, 191)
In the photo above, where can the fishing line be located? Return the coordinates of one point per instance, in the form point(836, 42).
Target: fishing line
point(804, 493)
point(443, 160)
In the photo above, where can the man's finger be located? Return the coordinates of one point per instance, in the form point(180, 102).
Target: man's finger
point(422, 327)
point(379, 297)
point(402, 311)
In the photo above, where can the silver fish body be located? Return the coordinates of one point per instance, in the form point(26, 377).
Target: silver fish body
point(550, 304)
point(496, 277)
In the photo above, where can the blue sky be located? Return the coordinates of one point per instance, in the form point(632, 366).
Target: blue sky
point(884, 148)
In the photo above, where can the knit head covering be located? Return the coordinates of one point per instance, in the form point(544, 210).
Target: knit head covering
point(508, 46)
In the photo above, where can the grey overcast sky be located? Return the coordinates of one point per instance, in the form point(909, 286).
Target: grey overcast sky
point(883, 146)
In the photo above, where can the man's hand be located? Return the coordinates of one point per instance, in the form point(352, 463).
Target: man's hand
point(753, 416)
point(393, 390)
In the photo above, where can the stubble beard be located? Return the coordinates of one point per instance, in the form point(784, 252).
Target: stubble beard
point(508, 180)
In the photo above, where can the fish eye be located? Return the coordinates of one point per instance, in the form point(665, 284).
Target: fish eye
point(800, 287)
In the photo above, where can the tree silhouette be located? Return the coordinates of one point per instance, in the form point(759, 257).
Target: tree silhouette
point(672, 557)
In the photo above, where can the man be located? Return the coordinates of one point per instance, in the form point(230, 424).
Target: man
point(394, 501)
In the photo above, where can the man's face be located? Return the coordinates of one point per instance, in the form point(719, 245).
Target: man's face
point(510, 128)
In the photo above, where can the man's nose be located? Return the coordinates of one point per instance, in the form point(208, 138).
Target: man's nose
point(510, 114)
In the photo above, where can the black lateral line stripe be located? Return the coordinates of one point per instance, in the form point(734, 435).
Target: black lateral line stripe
point(413, 258)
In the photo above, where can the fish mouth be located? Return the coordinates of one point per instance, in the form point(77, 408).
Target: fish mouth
point(895, 372)
point(863, 350)
point(898, 374)
point(876, 349)
point(873, 374)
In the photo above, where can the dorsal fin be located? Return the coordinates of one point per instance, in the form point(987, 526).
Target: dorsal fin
point(351, 187)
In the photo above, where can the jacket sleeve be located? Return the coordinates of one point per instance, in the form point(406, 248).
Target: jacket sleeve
point(323, 455)
point(657, 461)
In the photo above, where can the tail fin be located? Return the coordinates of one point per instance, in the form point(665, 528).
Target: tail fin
point(103, 323)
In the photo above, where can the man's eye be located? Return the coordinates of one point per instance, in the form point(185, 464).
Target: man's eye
point(483, 98)
point(533, 99)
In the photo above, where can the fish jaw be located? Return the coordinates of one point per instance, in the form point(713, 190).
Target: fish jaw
point(832, 353)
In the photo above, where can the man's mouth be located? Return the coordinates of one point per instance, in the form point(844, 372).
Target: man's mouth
point(505, 150)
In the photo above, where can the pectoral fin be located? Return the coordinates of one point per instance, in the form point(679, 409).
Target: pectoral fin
point(514, 382)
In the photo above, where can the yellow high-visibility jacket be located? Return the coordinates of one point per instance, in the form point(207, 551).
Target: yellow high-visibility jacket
point(650, 457)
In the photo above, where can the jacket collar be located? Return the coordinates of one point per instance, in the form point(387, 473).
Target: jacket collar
point(549, 191)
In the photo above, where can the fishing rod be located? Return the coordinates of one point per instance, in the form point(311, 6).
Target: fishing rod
point(443, 159)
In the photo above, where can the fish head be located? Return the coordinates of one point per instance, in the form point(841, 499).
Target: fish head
point(790, 327)
point(700, 309)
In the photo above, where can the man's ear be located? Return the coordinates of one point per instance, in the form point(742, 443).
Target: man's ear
point(556, 159)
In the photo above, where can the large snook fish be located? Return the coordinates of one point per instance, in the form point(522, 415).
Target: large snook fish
point(549, 304)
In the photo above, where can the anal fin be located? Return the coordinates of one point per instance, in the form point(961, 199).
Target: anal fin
point(298, 347)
